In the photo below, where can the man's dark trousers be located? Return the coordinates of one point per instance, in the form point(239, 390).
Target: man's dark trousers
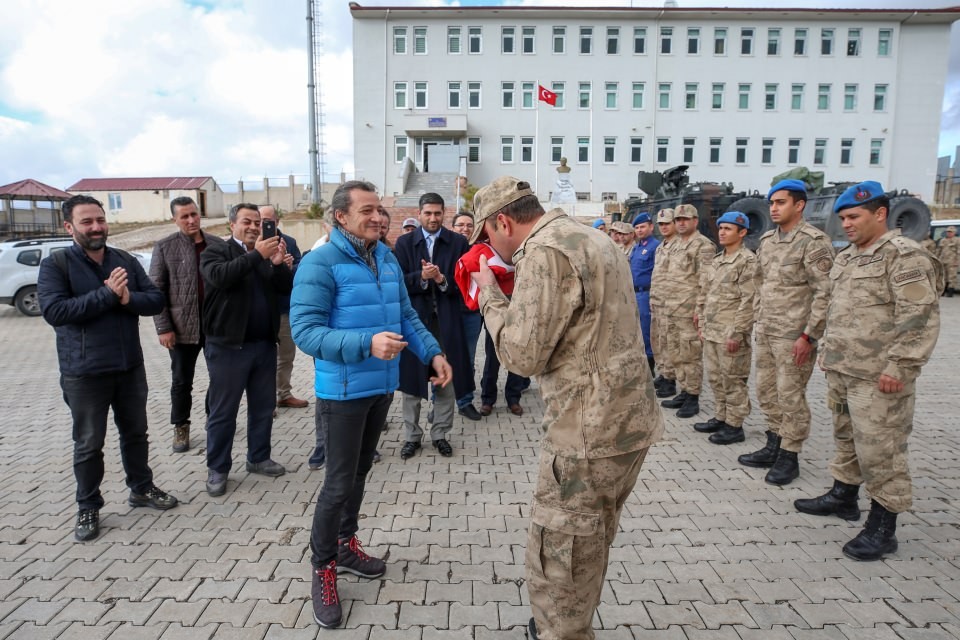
point(353, 432)
point(491, 371)
point(251, 369)
point(89, 399)
point(183, 366)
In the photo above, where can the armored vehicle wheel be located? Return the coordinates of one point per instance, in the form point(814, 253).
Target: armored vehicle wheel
point(758, 211)
point(911, 216)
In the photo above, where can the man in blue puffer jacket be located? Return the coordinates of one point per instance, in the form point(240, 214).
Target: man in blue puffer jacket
point(350, 311)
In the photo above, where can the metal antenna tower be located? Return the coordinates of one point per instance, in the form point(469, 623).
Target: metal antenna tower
point(315, 99)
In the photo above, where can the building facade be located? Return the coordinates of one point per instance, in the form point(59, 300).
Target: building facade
point(148, 199)
point(738, 95)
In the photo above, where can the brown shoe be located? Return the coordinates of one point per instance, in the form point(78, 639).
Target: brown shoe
point(516, 409)
point(293, 403)
point(181, 437)
point(486, 409)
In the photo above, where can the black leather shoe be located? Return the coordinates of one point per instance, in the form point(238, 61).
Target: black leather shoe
point(764, 458)
point(877, 538)
point(470, 412)
point(408, 449)
point(667, 388)
point(676, 402)
point(153, 498)
point(785, 470)
point(709, 426)
point(443, 447)
point(840, 501)
point(658, 382)
point(690, 407)
point(88, 525)
point(727, 435)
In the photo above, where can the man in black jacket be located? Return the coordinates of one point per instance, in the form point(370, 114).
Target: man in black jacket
point(243, 278)
point(93, 296)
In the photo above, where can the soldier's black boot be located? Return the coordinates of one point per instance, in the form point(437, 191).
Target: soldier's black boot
point(764, 458)
point(667, 388)
point(690, 407)
point(651, 363)
point(658, 382)
point(840, 501)
point(877, 537)
point(676, 402)
point(709, 426)
point(785, 470)
point(727, 435)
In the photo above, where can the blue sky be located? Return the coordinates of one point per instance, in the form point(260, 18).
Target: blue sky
point(214, 87)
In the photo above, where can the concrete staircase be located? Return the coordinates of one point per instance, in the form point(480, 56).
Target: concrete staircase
point(420, 183)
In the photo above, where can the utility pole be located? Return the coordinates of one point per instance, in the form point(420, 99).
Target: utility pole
point(314, 99)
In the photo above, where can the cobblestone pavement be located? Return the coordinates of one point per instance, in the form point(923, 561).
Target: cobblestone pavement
point(706, 549)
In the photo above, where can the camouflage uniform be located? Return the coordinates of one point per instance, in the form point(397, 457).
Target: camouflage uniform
point(884, 318)
point(573, 322)
point(949, 254)
point(727, 314)
point(659, 290)
point(794, 292)
point(930, 245)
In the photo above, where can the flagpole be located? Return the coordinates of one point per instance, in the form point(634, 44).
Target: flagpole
point(592, 143)
point(536, 144)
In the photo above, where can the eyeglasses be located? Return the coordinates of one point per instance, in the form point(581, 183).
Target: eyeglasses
point(463, 225)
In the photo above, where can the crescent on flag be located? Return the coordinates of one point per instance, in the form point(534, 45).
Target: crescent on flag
point(545, 95)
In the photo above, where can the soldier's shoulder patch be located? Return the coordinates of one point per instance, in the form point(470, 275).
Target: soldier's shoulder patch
point(908, 276)
point(863, 261)
point(824, 264)
point(823, 252)
point(904, 245)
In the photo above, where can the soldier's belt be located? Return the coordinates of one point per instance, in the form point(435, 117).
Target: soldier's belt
point(839, 407)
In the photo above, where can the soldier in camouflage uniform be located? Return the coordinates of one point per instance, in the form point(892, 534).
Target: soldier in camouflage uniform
point(795, 260)
point(949, 254)
point(665, 383)
point(573, 322)
point(726, 324)
point(689, 255)
point(882, 325)
point(930, 245)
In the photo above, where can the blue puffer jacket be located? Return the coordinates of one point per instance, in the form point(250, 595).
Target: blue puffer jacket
point(336, 308)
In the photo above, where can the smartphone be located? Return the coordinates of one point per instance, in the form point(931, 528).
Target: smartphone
point(268, 229)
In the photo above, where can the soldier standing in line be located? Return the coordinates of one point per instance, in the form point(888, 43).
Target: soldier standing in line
point(949, 254)
point(688, 257)
point(882, 325)
point(930, 245)
point(665, 383)
point(641, 265)
point(725, 323)
point(795, 260)
point(622, 234)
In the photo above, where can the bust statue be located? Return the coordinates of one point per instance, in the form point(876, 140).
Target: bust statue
point(564, 192)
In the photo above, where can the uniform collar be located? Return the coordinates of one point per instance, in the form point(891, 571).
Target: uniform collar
point(882, 240)
point(790, 234)
point(544, 220)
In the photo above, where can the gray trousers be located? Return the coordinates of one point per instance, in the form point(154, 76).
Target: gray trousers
point(444, 403)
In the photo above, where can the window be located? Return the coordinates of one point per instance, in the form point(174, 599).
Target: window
point(613, 40)
point(846, 152)
point(766, 151)
point(688, 144)
point(639, 39)
point(879, 97)
point(876, 150)
point(638, 95)
point(557, 88)
point(741, 150)
point(559, 39)
point(746, 42)
point(690, 95)
point(399, 148)
point(526, 149)
point(853, 42)
point(583, 149)
point(793, 151)
point(609, 150)
point(115, 202)
point(453, 40)
point(716, 96)
point(663, 92)
point(31, 257)
point(743, 96)
point(473, 95)
point(666, 39)
point(400, 40)
point(823, 97)
point(506, 149)
point(773, 42)
point(583, 95)
point(720, 41)
point(473, 150)
point(608, 196)
point(799, 42)
point(636, 149)
point(715, 150)
point(506, 39)
point(420, 40)
point(884, 39)
point(826, 42)
point(693, 41)
point(556, 149)
point(820, 151)
point(528, 37)
point(419, 95)
point(399, 95)
point(796, 97)
point(453, 95)
point(527, 100)
point(849, 97)
point(475, 40)
point(662, 146)
point(770, 97)
point(610, 89)
point(586, 40)
point(506, 93)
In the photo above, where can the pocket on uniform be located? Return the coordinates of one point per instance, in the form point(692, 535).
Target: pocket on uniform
point(573, 523)
point(791, 271)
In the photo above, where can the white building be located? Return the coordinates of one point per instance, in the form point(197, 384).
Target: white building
point(739, 95)
point(148, 199)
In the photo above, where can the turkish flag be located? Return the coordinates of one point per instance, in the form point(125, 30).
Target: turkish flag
point(547, 96)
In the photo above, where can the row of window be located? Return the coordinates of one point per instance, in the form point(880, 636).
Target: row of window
point(523, 39)
point(514, 148)
point(611, 95)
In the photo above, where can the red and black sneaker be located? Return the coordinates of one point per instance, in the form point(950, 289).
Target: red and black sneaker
point(327, 611)
point(353, 559)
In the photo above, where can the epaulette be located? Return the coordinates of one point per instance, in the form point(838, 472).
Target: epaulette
point(813, 232)
point(904, 245)
point(768, 234)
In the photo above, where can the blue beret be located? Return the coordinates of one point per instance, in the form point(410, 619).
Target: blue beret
point(734, 217)
point(641, 217)
point(599, 222)
point(858, 194)
point(789, 185)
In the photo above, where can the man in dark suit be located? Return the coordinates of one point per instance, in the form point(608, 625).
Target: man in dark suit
point(428, 257)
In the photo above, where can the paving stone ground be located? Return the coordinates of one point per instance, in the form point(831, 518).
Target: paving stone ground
point(706, 549)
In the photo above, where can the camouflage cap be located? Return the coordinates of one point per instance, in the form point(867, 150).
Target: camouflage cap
point(686, 211)
point(664, 216)
point(622, 227)
point(494, 197)
point(951, 228)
